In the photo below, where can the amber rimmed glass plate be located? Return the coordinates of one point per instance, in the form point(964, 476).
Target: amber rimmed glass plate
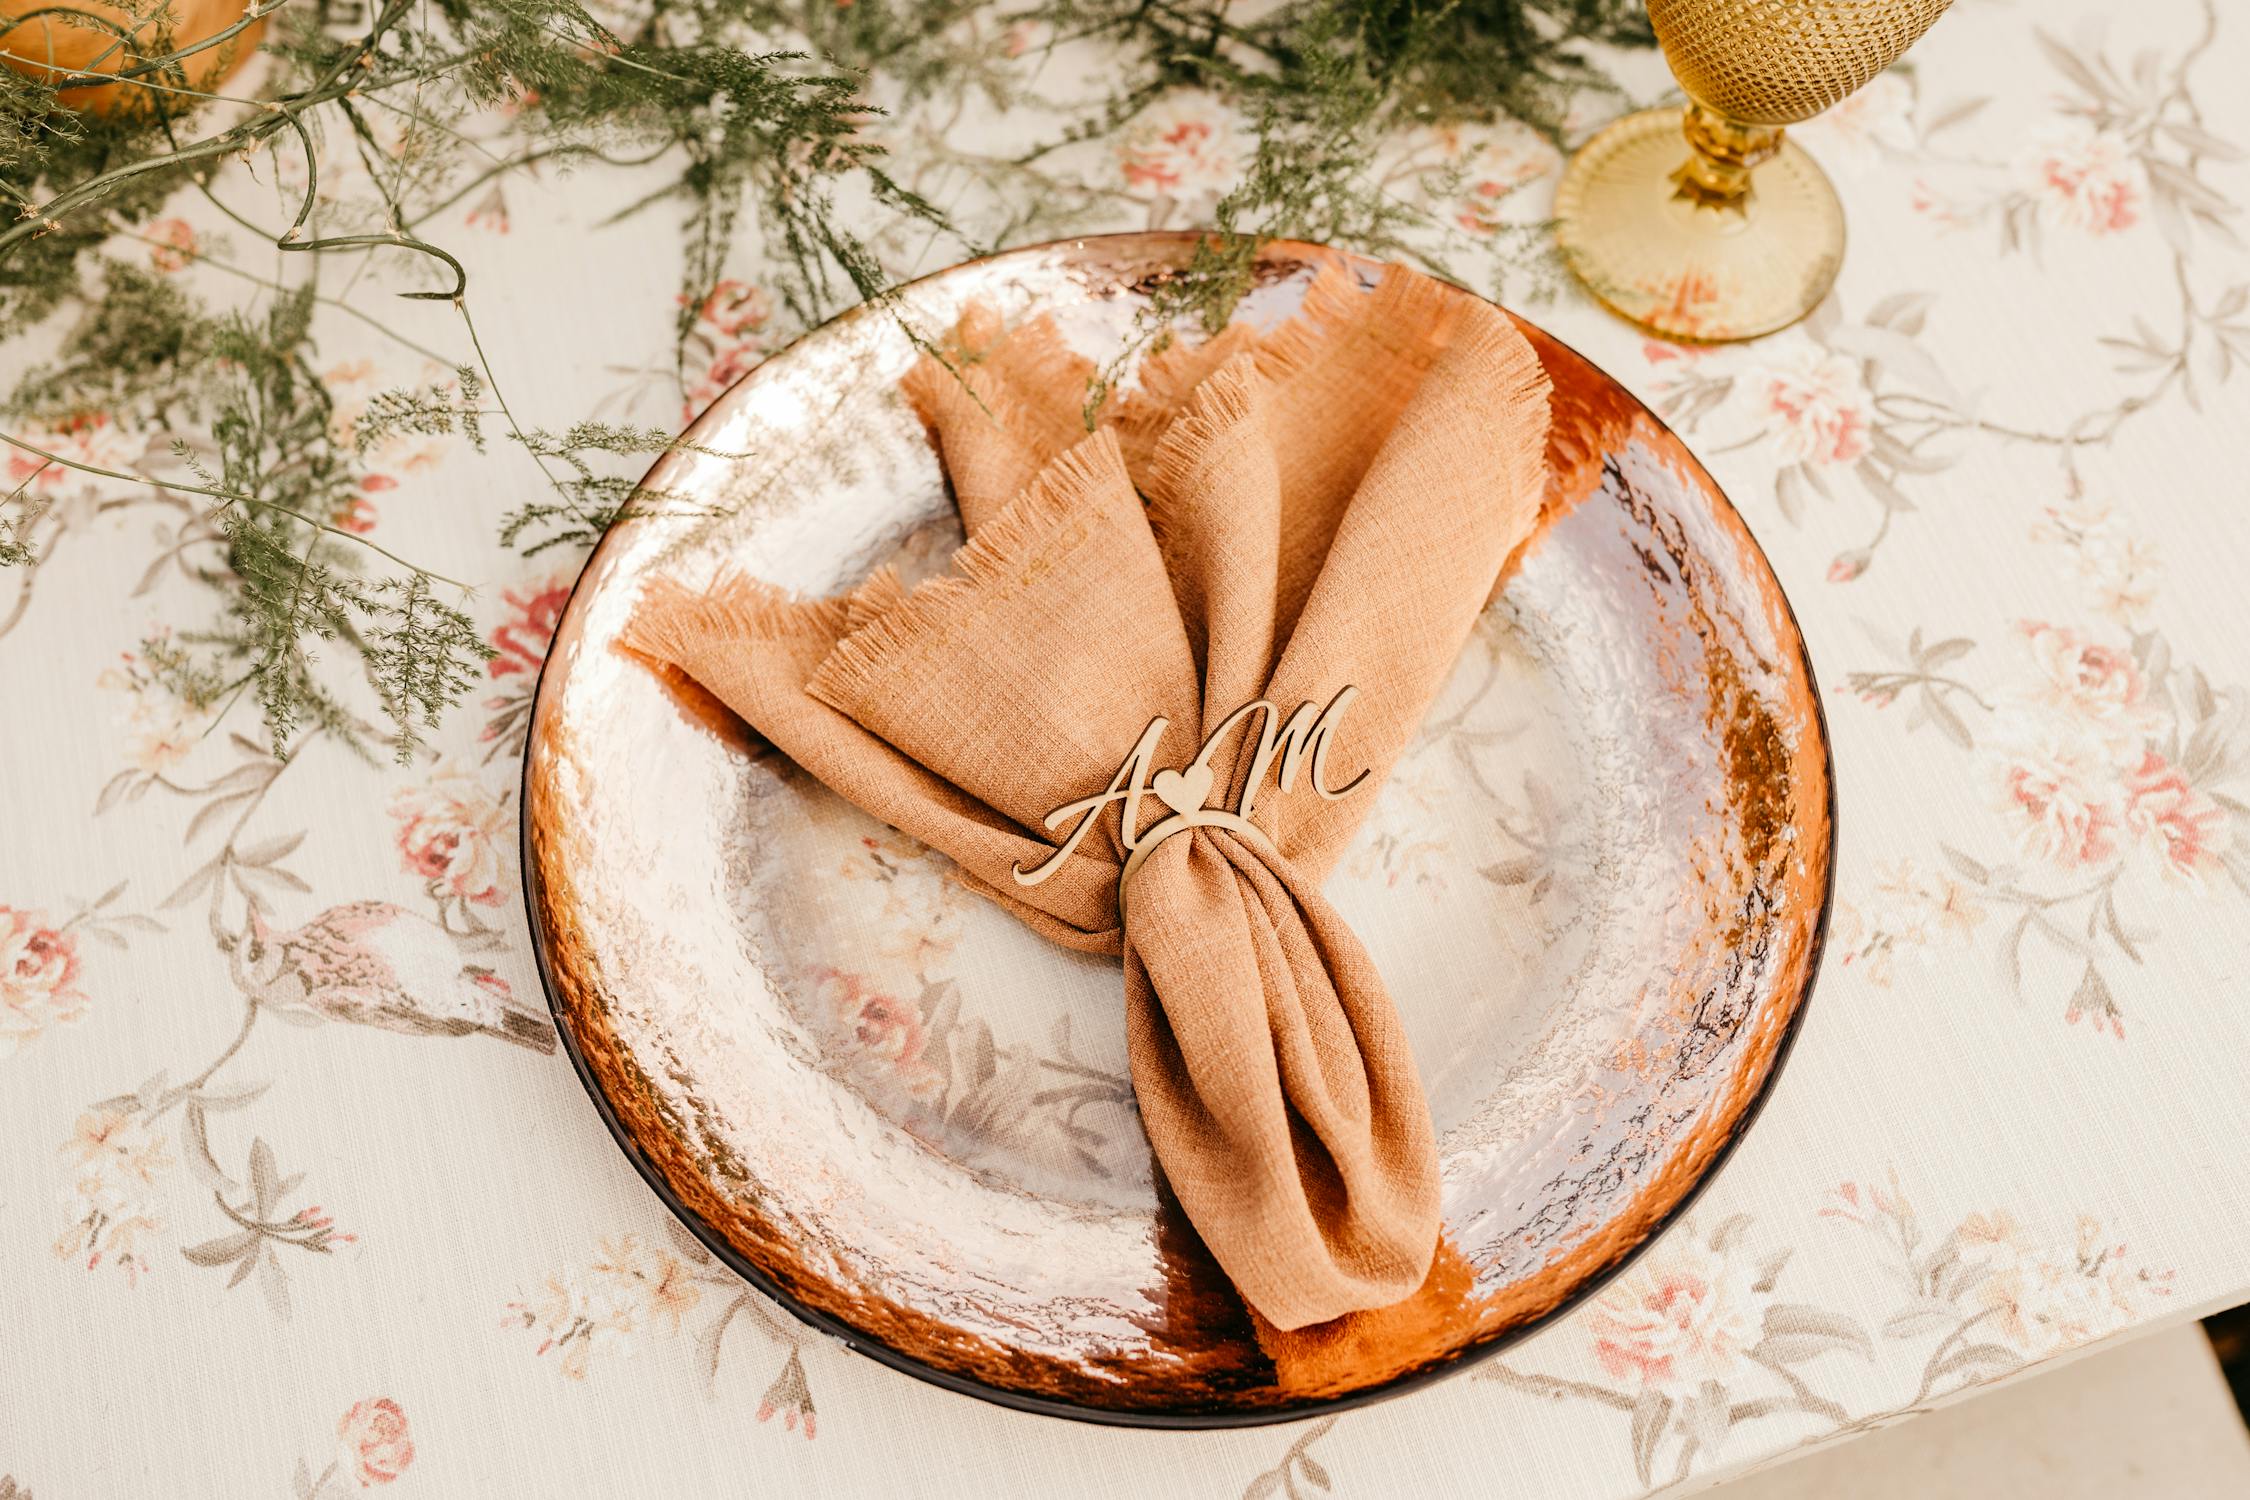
point(1597, 888)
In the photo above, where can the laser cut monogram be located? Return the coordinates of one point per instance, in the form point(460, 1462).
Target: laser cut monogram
point(1301, 740)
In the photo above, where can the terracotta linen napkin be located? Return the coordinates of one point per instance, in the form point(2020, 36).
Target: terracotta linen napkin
point(1325, 507)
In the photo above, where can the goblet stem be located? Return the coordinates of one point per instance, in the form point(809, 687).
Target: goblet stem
point(1742, 238)
point(1725, 153)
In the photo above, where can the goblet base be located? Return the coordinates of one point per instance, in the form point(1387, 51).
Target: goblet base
point(1679, 267)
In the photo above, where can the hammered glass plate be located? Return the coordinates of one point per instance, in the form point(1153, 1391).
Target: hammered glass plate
point(1596, 886)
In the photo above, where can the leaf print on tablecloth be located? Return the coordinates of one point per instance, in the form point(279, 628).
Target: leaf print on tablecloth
point(260, 1232)
point(238, 871)
point(1695, 1339)
point(2127, 139)
point(1989, 1296)
point(1920, 668)
point(370, 963)
point(54, 501)
point(2129, 144)
point(1861, 407)
point(2116, 770)
point(1297, 1463)
point(633, 1287)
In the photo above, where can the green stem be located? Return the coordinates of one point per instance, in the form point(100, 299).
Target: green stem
point(276, 113)
point(204, 259)
point(233, 498)
point(132, 74)
point(499, 399)
point(526, 159)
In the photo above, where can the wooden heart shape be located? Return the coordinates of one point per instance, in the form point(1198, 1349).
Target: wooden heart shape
point(1183, 791)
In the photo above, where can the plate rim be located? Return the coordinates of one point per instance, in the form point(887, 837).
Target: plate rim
point(1178, 1418)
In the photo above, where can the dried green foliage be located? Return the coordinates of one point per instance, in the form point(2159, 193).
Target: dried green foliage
point(287, 575)
point(752, 142)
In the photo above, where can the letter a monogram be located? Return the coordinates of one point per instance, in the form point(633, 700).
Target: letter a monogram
point(1301, 740)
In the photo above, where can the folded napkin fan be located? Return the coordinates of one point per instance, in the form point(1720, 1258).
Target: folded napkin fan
point(1267, 519)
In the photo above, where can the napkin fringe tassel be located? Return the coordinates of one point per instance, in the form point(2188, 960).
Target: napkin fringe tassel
point(1227, 398)
point(955, 383)
point(1001, 551)
point(943, 392)
point(1400, 310)
point(674, 623)
point(1521, 405)
point(1167, 380)
point(878, 594)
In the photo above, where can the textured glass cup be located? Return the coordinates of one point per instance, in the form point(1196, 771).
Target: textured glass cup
point(1742, 234)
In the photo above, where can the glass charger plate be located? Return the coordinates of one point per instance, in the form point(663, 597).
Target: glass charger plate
point(1596, 886)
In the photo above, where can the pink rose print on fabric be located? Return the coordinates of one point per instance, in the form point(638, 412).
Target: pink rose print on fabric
point(1186, 146)
point(92, 438)
point(1820, 405)
point(373, 1447)
point(519, 644)
point(1688, 1315)
point(2114, 764)
point(881, 1033)
point(356, 513)
point(1481, 169)
point(2097, 685)
point(457, 835)
point(375, 1442)
point(736, 308)
point(2064, 797)
point(729, 337)
point(2077, 761)
point(2177, 824)
point(39, 969)
point(1696, 1341)
point(520, 641)
point(2090, 182)
point(172, 244)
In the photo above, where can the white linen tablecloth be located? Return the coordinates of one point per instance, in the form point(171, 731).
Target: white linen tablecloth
point(2000, 473)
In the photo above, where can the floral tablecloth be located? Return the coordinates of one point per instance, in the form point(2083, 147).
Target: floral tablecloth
point(299, 1196)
